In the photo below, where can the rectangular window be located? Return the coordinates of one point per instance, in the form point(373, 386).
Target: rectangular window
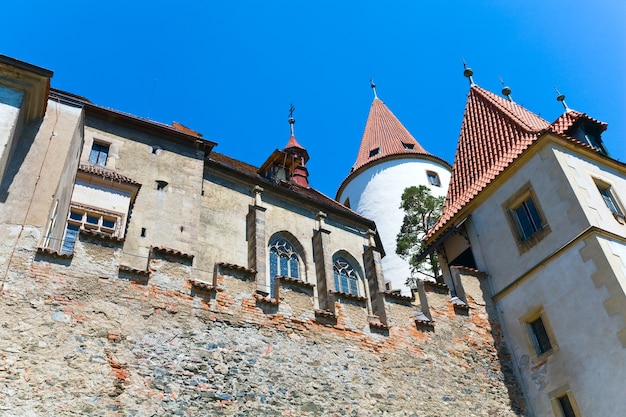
point(540, 339)
point(99, 154)
point(527, 218)
point(433, 178)
point(566, 406)
point(609, 199)
point(539, 336)
point(69, 240)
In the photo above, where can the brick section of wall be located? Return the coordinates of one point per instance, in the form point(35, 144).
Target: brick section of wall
point(72, 344)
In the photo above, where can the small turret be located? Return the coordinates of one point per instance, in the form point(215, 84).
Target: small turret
point(299, 173)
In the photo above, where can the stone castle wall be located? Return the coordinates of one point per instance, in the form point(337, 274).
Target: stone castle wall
point(79, 336)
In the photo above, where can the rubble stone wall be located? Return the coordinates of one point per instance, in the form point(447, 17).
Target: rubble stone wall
point(74, 343)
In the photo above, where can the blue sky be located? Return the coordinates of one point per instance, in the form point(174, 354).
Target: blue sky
point(230, 69)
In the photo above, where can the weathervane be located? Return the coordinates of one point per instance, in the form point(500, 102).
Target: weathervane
point(292, 121)
point(506, 90)
point(468, 73)
point(373, 85)
point(561, 98)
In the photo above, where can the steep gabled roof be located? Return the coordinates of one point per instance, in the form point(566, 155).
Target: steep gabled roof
point(384, 135)
point(495, 131)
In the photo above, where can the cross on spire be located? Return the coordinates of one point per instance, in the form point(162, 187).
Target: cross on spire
point(292, 121)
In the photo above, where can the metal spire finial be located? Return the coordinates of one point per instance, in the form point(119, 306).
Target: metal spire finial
point(373, 85)
point(468, 73)
point(292, 121)
point(561, 98)
point(506, 91)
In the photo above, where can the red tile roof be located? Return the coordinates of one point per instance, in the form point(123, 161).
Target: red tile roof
point(495, 131)
point(383, 131)
point(564, 122)
point(308, 193)
point(106, 173)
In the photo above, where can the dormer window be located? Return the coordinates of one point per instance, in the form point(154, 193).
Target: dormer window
point(590, 135)
point(374, 152)
point(409, 146)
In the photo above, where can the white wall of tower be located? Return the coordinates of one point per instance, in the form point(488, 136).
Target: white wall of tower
point(376, 193)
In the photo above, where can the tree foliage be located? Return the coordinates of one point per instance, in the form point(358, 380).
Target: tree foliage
point(421, 211)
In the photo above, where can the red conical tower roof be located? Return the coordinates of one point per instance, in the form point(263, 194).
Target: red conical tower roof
point(384, 135)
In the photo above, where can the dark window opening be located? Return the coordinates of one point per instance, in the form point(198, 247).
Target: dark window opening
point(374, 152)
point(566, 406)
point(161, 184)
point(409, 146)
point(465, 259)
point(143, 232)
point(539, 336)
point(591, 136)
point(527, 218)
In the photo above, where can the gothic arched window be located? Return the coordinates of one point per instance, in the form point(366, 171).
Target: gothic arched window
point(283, 261)
point(346, 277)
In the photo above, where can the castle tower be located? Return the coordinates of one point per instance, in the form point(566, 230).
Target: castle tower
point(389, 161)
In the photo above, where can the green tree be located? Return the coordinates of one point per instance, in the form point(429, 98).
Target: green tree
point(421, 211)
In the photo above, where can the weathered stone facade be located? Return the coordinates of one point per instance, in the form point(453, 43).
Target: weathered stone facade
point(76, 341)
point(144, 274)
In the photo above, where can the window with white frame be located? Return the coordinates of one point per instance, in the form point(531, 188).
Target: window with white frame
point(346, 277)
point(87, 218)
point(284, 261)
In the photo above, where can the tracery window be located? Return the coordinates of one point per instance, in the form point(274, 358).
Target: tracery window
point(346, 277)
point(283, 261)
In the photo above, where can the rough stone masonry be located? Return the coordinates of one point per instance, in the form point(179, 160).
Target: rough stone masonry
point(87, 345)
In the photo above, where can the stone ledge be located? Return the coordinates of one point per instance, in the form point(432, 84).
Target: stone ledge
point(295, 281)
point(324, 313)
point(398, 296)
point(265, 299)
point(129, 270)
point(173, 252)
point(54, 253)
point(202, 285)
point(470, 270)
point(347, 296)
point(100, 235)
point(234, 267)
point(436, 286)
point(425, 324)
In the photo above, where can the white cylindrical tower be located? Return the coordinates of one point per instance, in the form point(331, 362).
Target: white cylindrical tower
point(389, 161)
